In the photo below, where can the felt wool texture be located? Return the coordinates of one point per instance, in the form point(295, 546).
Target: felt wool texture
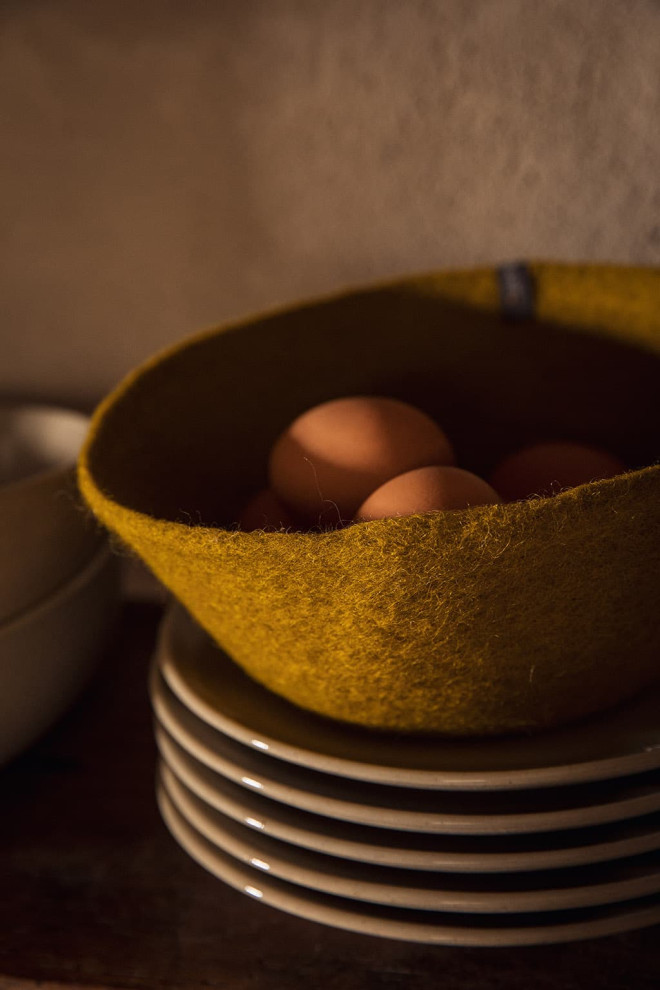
point(486, 620)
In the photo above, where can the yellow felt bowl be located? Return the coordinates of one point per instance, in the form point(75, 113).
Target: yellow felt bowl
point(488, 620)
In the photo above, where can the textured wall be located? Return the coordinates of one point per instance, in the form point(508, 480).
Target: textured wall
point(165, 165)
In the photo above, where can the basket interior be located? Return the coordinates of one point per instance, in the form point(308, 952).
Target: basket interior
point(197, 426)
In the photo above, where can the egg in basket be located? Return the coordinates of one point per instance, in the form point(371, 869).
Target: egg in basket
point(493, 617)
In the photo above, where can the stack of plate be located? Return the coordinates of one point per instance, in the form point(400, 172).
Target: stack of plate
point(513, 841)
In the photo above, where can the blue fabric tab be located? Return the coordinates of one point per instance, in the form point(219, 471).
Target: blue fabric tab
point(517, 291)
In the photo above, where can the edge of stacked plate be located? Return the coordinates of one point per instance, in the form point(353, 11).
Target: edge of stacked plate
point(547, 838)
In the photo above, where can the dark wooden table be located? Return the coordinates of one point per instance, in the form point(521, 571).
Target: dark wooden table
point(94, 892)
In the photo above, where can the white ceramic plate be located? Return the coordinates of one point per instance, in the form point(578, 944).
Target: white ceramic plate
point(508, 893)
point(458, 813)
point(619, 742)
point(437, 928)
point(418, 851)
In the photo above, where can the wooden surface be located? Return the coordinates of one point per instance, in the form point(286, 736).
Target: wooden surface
point(94, 892)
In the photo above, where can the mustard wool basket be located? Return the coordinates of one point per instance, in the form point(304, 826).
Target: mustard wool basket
point(487, 620)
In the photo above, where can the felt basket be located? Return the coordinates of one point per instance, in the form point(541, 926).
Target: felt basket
point(487, 620)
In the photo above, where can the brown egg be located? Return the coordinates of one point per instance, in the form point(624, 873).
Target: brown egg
point(334, 455)
point(427, 489)
point(266, 511)
point(546, 468)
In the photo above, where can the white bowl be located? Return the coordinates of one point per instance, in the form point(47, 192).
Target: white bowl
point(46, 535)
point(48, 654)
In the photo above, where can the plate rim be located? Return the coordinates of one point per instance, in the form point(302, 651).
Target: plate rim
point(411, 821)
point(282, 865)
point(306, 906)
point(499, 862)
point(581, 771)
